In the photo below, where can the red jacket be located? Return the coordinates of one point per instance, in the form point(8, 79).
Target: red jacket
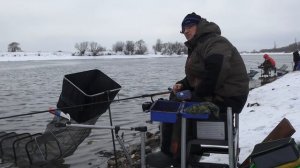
point(271, 60)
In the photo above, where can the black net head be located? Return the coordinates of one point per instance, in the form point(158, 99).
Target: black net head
point(87, 87)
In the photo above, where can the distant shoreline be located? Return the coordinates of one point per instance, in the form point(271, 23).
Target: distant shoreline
point(39, 56)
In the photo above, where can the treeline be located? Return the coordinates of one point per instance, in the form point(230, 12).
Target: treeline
point(287, 49)
point(123, 48)
point(140, 48)
point(169, 48)
point(93, 47)
point(131, 48)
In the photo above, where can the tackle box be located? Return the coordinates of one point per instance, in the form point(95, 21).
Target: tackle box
point(185, 114)
point(274, 153)
point(165, 111)
point(168, 111)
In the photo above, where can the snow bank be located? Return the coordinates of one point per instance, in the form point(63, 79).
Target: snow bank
point(277, 100)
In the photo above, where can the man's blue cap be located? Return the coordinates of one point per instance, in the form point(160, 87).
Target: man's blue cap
point(190, 19)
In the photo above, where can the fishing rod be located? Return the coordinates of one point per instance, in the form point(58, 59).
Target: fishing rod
point(90, 104)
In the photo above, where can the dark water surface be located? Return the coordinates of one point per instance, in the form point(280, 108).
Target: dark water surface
point(36, 85)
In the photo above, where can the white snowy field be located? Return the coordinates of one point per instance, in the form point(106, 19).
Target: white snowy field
point(34, 56)
point(277, 100)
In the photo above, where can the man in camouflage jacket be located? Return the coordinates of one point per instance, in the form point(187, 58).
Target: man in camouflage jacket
point(214, 69)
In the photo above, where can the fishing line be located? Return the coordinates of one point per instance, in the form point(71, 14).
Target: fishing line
point(88, 104)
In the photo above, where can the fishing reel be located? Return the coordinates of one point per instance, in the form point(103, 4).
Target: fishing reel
point(182, 95)
point(146, 106)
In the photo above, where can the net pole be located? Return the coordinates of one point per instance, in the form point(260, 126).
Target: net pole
point(112, 132)
point(143, 149)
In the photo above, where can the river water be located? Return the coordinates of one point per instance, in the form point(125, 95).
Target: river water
point(36, 85)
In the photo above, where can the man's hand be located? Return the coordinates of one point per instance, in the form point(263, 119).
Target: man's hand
point(177, 88)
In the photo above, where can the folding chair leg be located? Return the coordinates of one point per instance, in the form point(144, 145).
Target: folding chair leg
point(183, 143)
point(230, 138)
point(231, 145)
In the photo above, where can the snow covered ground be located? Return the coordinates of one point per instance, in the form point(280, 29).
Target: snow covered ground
point(30, 56)
point(277, 100)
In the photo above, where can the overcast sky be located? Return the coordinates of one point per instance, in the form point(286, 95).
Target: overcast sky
point(51, 25)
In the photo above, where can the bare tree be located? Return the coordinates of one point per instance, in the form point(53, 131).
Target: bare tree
point(177, 48)
point(129, 47)
point(173, 48)
point(14, 47)
point(119, 46)
point(158, 46)
point(141, 47)
point(82, 47)
point(95, 48)
point(166, 49)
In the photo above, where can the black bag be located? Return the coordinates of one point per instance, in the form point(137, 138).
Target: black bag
point(274, 153)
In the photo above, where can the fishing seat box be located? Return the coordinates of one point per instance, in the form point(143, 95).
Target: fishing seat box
point(274, 153)
point(87, 87)
point(205, 125)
